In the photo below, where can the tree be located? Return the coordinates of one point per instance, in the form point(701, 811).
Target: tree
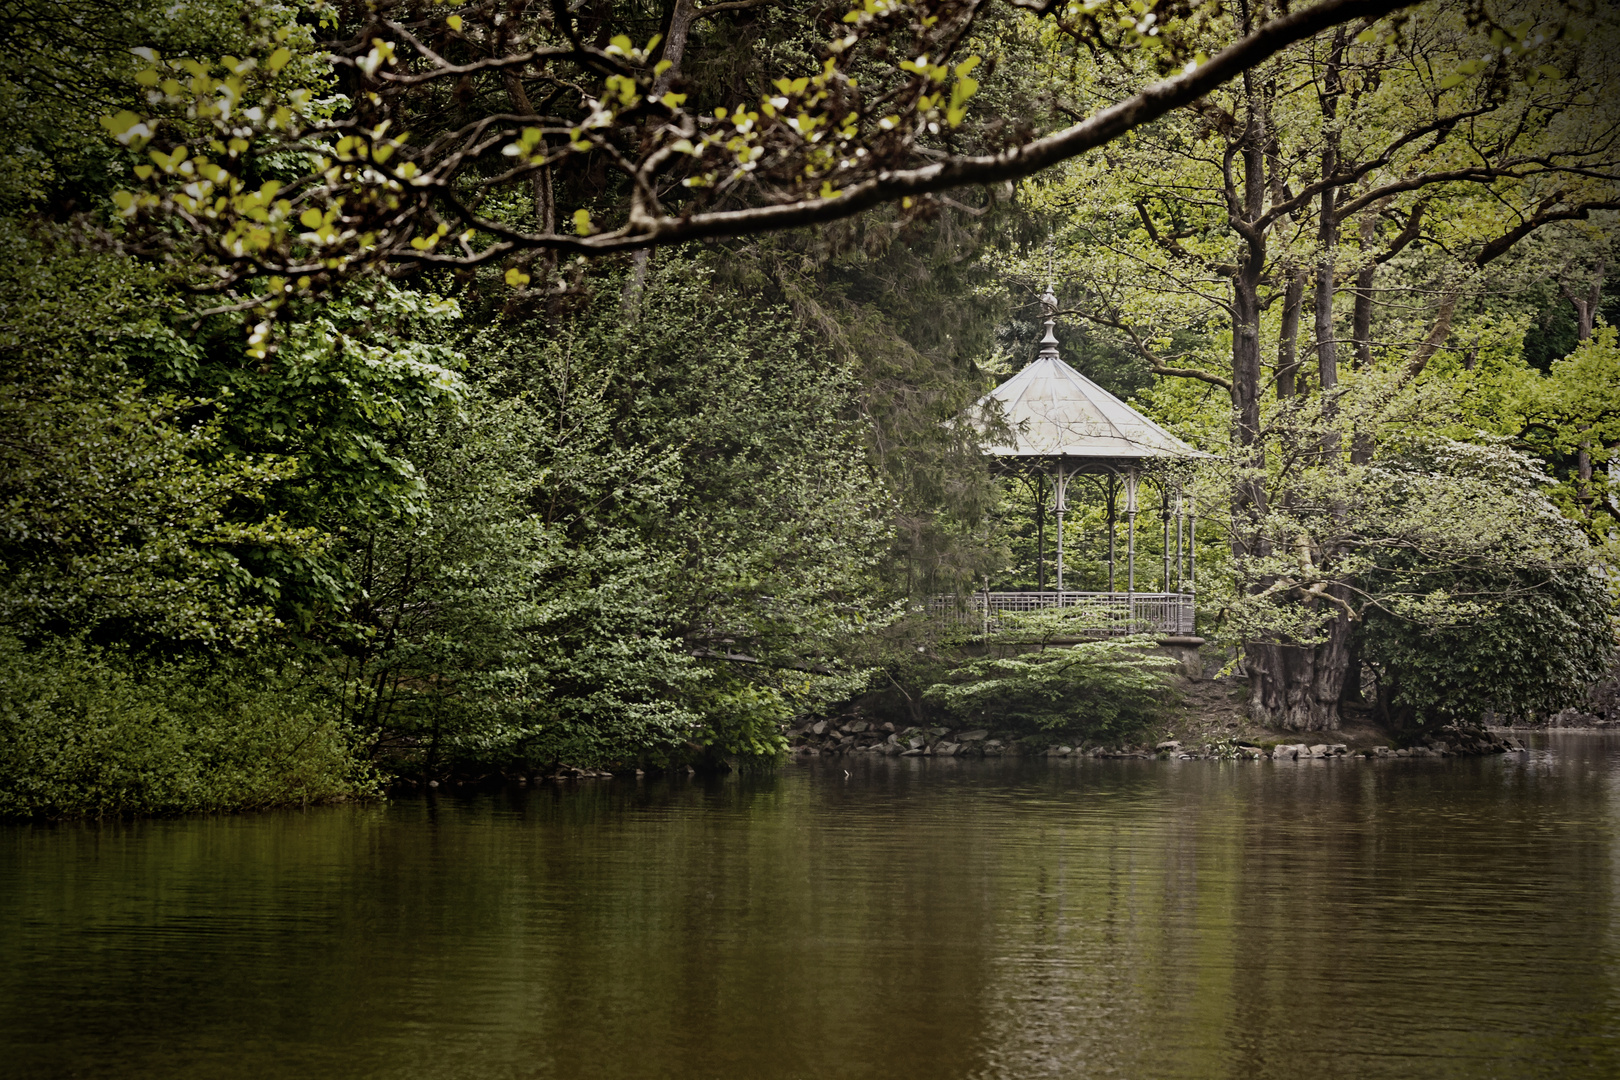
point(1322, 175)
point(1573, 411)
point(123, 512)
point(1548, 629)
point(649, 538)
point(1458, 576)
point(411, 150)
point(1105, 689)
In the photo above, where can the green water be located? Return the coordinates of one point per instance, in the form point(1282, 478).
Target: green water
point(916, 919)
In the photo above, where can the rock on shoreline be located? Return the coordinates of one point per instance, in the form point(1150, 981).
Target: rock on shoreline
point(853, 735)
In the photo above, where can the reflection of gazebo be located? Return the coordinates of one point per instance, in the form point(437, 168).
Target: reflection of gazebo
point(1066, 426)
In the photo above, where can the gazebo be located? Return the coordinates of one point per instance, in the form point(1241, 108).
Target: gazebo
point(1065, 426)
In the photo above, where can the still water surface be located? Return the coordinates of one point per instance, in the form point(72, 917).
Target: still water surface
point(918, 918)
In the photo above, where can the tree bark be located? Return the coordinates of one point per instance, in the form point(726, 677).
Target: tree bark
point(1586, 308)
point(1361, 320)
point(679, 28)
point(1361, 442)
point(1288, 337)
point(1327, 231)
point(1361, 316)
point(1245, 209)
point(1299, 687)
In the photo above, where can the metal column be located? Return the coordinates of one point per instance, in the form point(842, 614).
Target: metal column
point(1060, 491)
point(1130, 550)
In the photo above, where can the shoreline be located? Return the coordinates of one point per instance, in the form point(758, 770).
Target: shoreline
point(853, 735)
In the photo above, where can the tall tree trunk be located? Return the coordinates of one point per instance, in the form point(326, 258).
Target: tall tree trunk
point(1250, 497)
point(1327, 347)
point(676, 31)
point(1288, 337)
point(1298, 687)
point(1361, 320)
point(1327, 228)
point(1361, 443)
point(1586, 308)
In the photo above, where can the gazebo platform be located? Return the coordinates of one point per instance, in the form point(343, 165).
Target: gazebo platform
point(1106, 615)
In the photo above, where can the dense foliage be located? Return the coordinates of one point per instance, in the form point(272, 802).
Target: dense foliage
point(1516, 620)
point(1351, 246)
point(629, 530)
point(122, 512)
point(1103, 690)
point(95, 731)
point(321, 453)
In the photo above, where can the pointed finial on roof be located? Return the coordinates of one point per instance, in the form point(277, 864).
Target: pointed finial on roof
point(1049, 343)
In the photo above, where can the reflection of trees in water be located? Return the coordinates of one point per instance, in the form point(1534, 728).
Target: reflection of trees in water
point(939, 919)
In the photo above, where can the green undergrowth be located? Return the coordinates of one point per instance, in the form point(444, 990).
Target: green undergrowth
point(1105, 689)
point(93, 732)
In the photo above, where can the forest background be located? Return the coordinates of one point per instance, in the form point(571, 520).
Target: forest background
point(331, 452)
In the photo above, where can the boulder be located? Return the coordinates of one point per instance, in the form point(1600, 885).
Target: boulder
point(856, 728)
point(946, 749)
point(819, 727)
point(1172, 745)
point(972, 736)
point(1286, 751)
point(1318, 750)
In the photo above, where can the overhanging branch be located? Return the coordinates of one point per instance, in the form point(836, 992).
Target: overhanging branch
point(1013, 164)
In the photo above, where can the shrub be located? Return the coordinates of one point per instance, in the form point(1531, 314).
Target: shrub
point(1097, 689)
point(1533, 653)
point(90, 732)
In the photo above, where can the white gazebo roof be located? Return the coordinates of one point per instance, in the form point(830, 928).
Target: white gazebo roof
point(1054, 411)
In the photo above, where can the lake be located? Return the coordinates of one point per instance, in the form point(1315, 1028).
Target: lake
point(915, 918)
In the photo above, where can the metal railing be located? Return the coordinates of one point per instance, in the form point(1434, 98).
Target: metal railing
point(1101, 613)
